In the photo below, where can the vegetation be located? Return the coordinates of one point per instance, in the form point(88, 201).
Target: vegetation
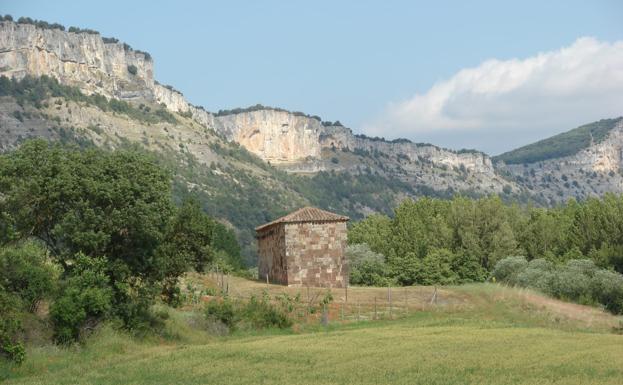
point(489, 337)
point(253, 314)
point(97, 235)
point(577, 280)
point(36, 90)
point(132, 69)
point(259, 107)
point(565, 144)
point(431, 241)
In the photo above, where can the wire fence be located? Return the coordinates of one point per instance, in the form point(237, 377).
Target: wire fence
point(324, 305)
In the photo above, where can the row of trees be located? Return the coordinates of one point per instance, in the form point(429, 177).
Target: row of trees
point(97, 235)
point(431, 241)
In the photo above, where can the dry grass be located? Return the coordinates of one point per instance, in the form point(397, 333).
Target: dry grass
point(472, 334)
point(358, 303)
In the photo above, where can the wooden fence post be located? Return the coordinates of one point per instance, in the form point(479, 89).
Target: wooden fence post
point(389, 298)
point(406, 305)
point(375, 315)
point(434, 297)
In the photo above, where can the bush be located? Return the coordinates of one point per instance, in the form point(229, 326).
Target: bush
point(254, 314)
point(11, 345)
point(538, 274)
point(607, 288)
point(132, 69)
point(507, 269)
point(366, 267)
point(579, 280)
point(85, 300)
point(25, 272)
point(222, 311)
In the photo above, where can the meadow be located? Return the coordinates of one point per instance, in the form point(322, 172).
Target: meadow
point(472, 334)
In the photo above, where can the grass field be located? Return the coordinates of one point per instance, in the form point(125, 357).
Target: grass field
point(476, 334)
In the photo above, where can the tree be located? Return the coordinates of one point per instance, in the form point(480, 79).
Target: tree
point(110, 205)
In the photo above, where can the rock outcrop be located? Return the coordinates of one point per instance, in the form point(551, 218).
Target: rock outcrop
point(275, 136)
point(84, 60)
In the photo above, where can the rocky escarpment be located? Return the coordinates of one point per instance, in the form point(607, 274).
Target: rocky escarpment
point(84, 60)
point(342, 138)
point(276, 136)
point(302, 144)
point(592, 171)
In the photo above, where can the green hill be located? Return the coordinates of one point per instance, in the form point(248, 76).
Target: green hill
point(565, 144)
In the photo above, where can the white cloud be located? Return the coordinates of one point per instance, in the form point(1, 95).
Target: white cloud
point(517, 101)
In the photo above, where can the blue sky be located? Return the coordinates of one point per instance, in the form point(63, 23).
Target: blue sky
point(361, 62)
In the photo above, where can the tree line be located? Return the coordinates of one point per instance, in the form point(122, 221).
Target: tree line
point(434, 241)
point(97, 236)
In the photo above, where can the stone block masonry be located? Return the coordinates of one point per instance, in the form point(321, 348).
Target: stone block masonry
point(305, 248)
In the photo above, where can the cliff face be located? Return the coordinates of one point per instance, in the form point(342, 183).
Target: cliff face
point(342, 137)
point(85, 61)
point(301, 144)
point(275, 136)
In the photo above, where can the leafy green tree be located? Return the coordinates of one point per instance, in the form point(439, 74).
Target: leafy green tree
point(224, 239)
point(375, 231)
point(187, 244)
point(111, 205)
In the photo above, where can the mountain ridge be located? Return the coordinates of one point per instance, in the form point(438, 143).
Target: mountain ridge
point(296, 143)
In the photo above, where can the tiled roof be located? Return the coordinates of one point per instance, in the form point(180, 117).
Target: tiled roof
point(306, 214)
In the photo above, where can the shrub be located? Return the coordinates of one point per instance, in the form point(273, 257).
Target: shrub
point(507, 269)
point(84, 301)
point(366, 266)
point(607, 288)
point(132, 69)
point(253, 314)
point(11, 346)
point(222, 311)
point(25, 272)
point(578, 280)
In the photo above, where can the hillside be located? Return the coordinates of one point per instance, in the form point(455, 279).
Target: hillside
point(561, 145)
point(249, 165)
point(485, 334)
point(593, 168)
point(106, 95)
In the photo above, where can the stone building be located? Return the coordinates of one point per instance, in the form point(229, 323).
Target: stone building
point(304, 248)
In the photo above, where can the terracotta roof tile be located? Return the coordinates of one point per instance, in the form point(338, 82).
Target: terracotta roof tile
point(306, 214)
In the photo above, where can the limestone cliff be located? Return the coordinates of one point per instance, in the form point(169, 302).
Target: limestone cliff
point(84, 60)
point(342, 137)
point(275, 136)
point(302, 144)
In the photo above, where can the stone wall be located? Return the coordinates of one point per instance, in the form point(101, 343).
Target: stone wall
point(315, 253)
point(272, 257)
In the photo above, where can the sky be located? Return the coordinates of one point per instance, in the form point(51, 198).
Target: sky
point(488, 75)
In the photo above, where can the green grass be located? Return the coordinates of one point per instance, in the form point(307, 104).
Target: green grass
point(495, 336)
